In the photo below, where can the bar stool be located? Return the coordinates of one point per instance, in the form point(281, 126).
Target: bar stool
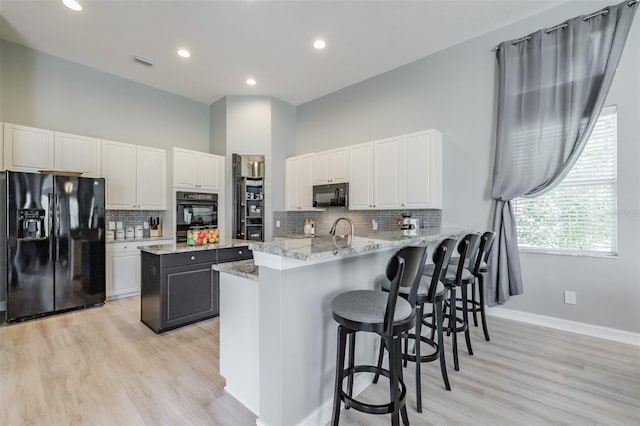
point(479, 270)
point(428, 291)
point(461, 278)
point(388, 316)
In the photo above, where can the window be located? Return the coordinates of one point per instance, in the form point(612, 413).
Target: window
point(579, 215)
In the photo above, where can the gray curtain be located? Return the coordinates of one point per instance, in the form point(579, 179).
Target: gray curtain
point(552, 87)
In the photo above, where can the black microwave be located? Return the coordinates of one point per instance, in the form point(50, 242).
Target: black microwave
point(331, 195)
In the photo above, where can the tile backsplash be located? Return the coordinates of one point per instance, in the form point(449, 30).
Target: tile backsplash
point(134, 217)
point(292, 223)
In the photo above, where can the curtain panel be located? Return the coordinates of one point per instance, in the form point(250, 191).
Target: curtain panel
point(552, 87)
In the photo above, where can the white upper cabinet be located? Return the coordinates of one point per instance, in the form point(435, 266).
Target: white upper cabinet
point(119, 171)
point(332, 166)
point(403, 172)
point(361, 176)
point(197, 170)
point(27, 149)
point(209, 171)
point(299, 182)
point(135, 176)
point(422, 170)
point(1, 146)
point(151, 167)
point(386, 173)
point(75, 153)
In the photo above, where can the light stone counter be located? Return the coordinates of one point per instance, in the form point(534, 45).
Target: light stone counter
point(243, 268)
point(184, 248)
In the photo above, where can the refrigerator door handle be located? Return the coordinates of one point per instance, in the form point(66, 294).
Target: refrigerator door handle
point(57, 226)
point(51, 234)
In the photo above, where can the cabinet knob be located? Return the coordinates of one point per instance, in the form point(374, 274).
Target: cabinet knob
point(193, 258)
point(402, 205)
point(240, 252)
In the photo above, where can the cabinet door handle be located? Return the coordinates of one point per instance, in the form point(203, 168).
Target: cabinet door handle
point(193, 258)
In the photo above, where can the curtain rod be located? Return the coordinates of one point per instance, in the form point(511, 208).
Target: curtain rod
point(565, 25)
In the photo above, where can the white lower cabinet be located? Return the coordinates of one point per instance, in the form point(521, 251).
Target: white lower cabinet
point(123, 268)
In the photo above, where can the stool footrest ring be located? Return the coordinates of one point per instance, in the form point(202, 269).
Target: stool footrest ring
point(371, 408)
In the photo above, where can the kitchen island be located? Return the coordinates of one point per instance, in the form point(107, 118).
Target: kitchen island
point(277, 336)
point(178, 283)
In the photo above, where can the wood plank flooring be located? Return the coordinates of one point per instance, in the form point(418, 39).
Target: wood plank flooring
point(102, 366)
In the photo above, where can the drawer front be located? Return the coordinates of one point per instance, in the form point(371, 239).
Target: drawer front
point(234, 253)
point(189, 258)
point(124, 248)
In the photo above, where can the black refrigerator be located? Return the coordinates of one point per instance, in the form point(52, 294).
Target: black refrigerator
point(53, 243)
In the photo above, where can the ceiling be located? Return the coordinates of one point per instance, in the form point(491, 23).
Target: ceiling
point(267, 40)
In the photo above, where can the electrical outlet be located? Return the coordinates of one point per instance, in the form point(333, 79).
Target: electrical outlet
point(570, 297)
point(277, 224)
point(374, 224)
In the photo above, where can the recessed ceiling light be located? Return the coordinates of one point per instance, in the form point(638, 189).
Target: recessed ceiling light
point(184, 53)
point(251, 82)
point(73, 5)
point(319, 44)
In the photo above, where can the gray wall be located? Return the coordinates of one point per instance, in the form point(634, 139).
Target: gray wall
point(283, 140)
point(218, 127)
point(455, 91)
point(44, 91)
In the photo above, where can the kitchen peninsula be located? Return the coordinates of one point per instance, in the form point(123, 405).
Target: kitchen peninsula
point(178, 283)
point(277, 337)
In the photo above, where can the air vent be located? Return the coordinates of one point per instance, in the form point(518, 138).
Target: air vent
point(143, 61)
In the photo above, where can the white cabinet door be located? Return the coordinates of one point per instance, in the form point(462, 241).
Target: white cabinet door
point(185, 168)
point(151, 178)
point(75, 153)
point(119, 171)
point(361, 176)
point(422, 170)
point(209, 172)
point(386, 172)
point(306, 174)
point(27, 149)
point(291, 173)
point(339, 165)
point(123, 271)
point(322, 168)
point(1, 146)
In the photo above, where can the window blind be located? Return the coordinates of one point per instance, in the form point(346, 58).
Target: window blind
point(580, 214)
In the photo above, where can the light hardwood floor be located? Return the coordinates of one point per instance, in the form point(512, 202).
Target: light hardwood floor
point(102, 366)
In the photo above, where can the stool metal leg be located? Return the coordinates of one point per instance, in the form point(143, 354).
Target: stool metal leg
point(443, 361)
point(465, 318)
point(474, 303)
point(453, 324)
point(394, 365)
point(380, 357)
point(419, 309)
point(352, 348)
point(482, 313)
point(337, 398)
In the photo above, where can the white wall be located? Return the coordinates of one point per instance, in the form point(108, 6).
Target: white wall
point(44, 91)
point(455, 91)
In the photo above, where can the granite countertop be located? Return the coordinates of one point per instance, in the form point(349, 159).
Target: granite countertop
point(244, 268)
point(140, 240)
point(326, 246)
point(184, 248)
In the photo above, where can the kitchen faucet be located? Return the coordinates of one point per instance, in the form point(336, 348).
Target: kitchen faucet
point(335, 224)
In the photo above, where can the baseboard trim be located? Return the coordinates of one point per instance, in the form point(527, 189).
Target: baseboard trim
point(613, 334)
point(322, 414)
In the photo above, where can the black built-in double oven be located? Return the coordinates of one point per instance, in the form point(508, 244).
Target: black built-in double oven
point(195, 209)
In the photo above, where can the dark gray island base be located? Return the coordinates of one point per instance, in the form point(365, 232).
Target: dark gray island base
point(179, 285)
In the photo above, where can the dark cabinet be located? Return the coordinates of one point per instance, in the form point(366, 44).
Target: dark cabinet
point(182, 288)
